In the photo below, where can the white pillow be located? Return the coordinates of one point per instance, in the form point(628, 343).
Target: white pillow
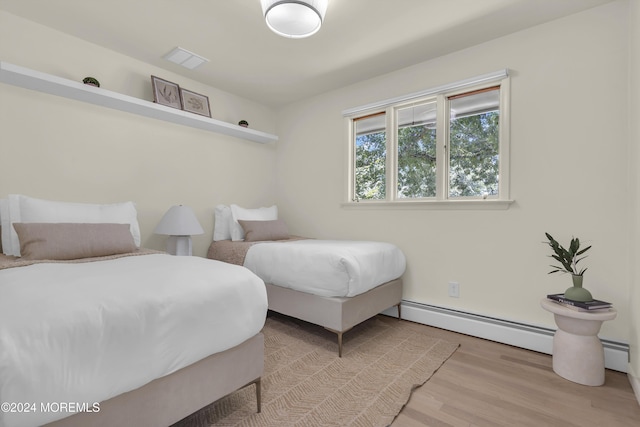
point(222, 223)
point(29, 209)
point(260, 214)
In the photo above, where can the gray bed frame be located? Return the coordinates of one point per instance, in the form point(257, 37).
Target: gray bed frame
point(169, 399)
point(336, 314)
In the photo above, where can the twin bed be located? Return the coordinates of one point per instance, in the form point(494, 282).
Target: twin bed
point(336, 284)
point(90, 323)
point(82, 334)
point(138, 337)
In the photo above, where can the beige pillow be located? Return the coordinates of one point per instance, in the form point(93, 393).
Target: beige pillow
point(255, 231)
point(63, 241)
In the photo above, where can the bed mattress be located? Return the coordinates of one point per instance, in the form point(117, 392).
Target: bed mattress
point(82, 333)
point(330, 268)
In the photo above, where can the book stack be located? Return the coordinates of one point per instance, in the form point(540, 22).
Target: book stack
point(588, 306)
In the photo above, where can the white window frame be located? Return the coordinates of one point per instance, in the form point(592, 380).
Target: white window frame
point(440, 96)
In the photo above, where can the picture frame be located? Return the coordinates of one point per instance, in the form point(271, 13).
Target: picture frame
point(166, 93)
point(195, 103)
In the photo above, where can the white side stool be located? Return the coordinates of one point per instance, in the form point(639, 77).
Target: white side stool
point(578, 354)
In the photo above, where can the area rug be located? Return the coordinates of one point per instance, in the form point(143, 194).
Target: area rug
point(307, 384)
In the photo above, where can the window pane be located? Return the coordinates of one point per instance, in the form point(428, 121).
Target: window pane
point(371, 157)
point(417, 151)
point(474, 143)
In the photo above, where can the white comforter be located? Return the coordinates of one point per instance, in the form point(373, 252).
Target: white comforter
point(83, 333)
point(332, 268)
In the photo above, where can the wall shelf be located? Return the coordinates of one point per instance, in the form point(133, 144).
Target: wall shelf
point(42, 82)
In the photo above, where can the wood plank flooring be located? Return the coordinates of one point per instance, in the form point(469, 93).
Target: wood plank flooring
point(490, 384)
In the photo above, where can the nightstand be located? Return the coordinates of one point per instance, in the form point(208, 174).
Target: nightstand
point(578, 354)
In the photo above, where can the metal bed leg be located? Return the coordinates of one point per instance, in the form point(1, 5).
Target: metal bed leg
point(339, 338)
point(258, 394)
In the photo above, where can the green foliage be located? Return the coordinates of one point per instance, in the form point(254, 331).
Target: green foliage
point(569, 258)
point(474, 155)
point(371, 153)
point(416, 161)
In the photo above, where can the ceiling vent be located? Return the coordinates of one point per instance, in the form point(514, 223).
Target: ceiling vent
point(185, 58)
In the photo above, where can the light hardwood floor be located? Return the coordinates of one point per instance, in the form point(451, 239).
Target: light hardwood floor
point(490, 384)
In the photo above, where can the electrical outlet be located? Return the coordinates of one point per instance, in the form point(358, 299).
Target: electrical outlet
point(454, 289)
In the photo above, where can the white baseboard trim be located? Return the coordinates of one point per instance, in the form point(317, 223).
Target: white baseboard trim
point(530, 337)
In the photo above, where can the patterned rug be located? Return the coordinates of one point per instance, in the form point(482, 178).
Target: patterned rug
point(307, 384)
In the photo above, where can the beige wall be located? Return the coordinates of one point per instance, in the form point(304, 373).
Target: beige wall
point(569, 151)
point(52, 147)
point(634, 159)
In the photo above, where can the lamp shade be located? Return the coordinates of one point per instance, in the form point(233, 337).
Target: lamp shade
point(179, 221)
point(294, 18)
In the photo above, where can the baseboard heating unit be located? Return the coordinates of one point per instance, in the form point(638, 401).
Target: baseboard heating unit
point(530, 337)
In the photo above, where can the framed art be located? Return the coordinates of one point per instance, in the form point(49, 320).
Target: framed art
point(195, 103)
point(166, 93)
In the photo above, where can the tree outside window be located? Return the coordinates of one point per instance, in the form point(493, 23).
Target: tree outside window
point(449, 155)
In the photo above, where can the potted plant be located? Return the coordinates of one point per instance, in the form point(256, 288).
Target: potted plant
point(92, 81)
point(569, 259)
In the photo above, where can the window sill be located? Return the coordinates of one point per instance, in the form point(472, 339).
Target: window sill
point(475, 204)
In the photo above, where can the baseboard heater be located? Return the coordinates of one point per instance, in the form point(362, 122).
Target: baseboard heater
point(530, 337)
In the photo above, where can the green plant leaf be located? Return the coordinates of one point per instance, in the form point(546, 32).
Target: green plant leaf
point(574, 246)
point(583, 251)
point(567, 257)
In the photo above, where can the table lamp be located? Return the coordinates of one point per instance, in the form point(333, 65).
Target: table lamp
point(179, 223)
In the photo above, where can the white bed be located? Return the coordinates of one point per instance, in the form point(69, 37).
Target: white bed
point(127, 337)
point(88, 332)
point(333, 283)
point(329, 268)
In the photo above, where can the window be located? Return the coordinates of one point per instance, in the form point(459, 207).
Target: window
point(417, 166)
point(442, 145)
point(371, 155)
point(474, 136)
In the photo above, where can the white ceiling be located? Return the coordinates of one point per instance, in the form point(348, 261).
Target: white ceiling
point(360, 39)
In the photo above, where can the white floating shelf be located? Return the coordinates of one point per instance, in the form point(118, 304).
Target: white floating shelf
point(42, 82)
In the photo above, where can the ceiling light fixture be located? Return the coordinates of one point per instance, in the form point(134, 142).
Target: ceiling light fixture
point(185, 58)
point(295, 19)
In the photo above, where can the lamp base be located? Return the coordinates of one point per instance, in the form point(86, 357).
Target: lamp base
point(179, 245)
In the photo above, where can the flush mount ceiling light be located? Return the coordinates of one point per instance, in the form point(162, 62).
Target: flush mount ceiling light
point(295, 19)
point(185, 58)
